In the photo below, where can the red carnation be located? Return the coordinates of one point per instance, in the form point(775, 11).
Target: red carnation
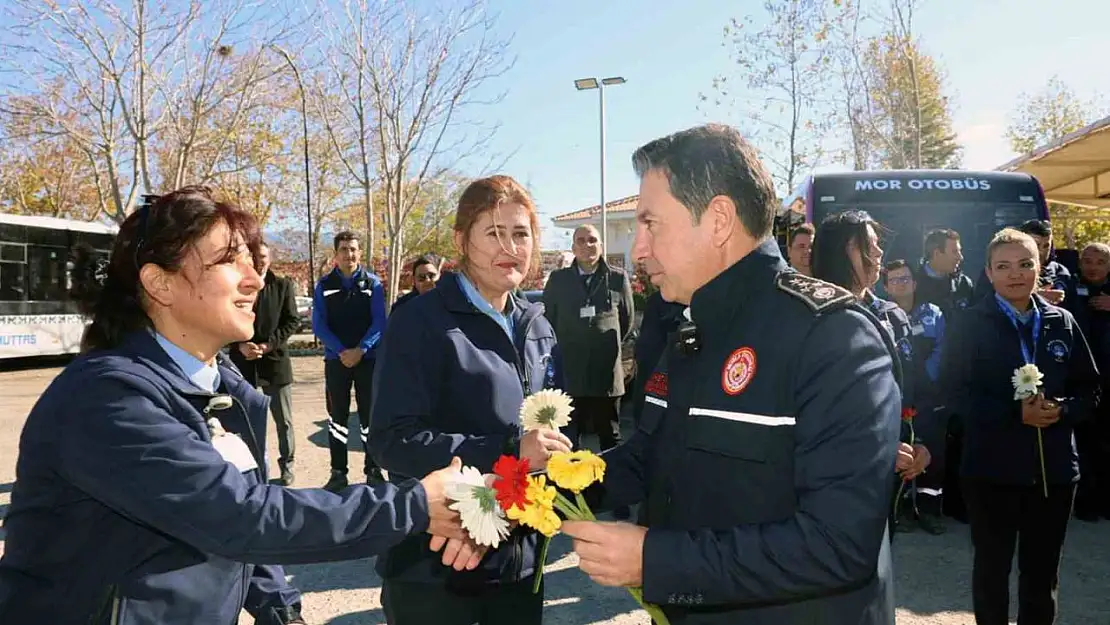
point(512, 482)
point(908, 414)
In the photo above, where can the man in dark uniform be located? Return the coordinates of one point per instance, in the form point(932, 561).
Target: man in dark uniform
point(263, 360)
point(348, 315)
point(939, 279)
point(941, 283)
point(661, 318)
point(765, 459)
point(1091, 307)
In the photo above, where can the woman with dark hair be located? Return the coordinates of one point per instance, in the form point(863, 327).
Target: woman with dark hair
point(141, 492)
point(1019, 462)
point(458, 364)
point(846, 252)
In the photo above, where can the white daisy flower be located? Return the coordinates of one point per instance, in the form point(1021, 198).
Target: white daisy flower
point(1027, 381)
point(476, 502)
point(549, 408)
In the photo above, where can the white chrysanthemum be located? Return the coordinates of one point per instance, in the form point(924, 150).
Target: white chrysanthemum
point(549, 408)
point(476, 502)
point(1027, 381)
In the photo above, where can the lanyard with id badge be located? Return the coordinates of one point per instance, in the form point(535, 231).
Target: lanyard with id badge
point(230, 446)
point(590, 282)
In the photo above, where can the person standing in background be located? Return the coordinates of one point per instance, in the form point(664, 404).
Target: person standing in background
point(661, 318)
point(930, 424)
point(800, 249)
point(348, 315)
point(938, 277)
point(425, 273)
point(1091, 307)
point(263, 360)
point(1019, 461)
point(590, 306)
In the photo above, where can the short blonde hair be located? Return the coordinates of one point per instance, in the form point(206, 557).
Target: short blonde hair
point(1101, 248)
point(1013, 236)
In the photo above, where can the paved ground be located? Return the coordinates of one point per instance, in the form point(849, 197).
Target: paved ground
point(933, 584)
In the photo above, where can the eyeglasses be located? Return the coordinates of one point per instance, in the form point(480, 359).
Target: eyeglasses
point(426, 277)
point(900, 280)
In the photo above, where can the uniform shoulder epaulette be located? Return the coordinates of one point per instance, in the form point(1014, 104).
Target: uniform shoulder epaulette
point(819, 295)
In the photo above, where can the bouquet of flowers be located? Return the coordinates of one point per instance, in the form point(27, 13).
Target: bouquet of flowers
point(488, 504)
point(1027, 383)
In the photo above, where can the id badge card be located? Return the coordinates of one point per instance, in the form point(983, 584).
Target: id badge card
point(586, 312)
point(1082, 291)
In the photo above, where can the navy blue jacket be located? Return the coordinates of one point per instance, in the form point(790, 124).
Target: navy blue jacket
point(765, 458)
point(897, 324)
point(661, 318)
point(449, 382)
point(951, 293)
point(349, 312)
point(122, 504)
point(981, 352)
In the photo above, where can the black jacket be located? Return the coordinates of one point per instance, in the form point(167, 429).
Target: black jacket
point(951, 293)
point(275, 321)
point(980, 356)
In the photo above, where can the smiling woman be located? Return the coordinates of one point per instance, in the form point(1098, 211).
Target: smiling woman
point(160, 464)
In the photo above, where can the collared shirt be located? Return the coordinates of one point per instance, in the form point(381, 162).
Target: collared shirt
point(503, 319)
point(206, 377)
point(932, 273)
point(1022, 317)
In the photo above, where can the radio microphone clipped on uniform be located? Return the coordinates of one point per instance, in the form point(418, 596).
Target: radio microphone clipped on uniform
point(219, 402)
point(687, 341)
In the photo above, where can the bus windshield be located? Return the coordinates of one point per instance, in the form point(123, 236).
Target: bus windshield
point(911, 203)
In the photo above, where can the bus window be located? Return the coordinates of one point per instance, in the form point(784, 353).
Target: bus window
point(911, 203)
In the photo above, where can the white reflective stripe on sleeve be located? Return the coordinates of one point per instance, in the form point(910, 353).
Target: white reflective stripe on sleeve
point(655, 400)
point(328, 292)
point(368, 291)
point(744, 417)
point(932, 492)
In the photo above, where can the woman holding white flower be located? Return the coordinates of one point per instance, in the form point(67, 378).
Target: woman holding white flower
point(1020, 371)
point(452, 376)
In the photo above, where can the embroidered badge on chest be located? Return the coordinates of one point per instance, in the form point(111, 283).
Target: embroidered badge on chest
point(738, 371)
point(656, 384)
point(1058, 350)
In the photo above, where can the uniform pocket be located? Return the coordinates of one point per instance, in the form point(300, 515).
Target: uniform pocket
point(740, 435)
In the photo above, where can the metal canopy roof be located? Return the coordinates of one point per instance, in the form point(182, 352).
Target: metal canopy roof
point(1073, 170)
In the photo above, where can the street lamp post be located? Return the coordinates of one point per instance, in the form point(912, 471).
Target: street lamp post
point(307, 175)
point(585, 84)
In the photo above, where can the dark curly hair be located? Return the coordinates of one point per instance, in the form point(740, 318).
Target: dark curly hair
point(162, 231)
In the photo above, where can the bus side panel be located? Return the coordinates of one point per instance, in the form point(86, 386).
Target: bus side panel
point(40, 335)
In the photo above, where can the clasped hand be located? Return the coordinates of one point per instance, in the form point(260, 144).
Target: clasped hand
point(912, 460)
point(253, 351)
point(461, 553)
point(1039, 412)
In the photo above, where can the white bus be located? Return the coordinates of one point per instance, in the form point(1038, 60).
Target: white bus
point(37, 317)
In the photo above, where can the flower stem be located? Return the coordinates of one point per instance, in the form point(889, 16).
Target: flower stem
point(586, 512)
point(540, 564)
point(569, 510)
point(1044, 474)
point(656, 613)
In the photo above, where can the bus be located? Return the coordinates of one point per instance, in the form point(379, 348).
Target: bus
point(910, 203)
point(37, 317)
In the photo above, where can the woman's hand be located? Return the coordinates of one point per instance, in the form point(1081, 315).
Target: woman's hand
point(905, 458)
point(921, 459)
point(538, 445)
point(442, 521)
point(1037, 413)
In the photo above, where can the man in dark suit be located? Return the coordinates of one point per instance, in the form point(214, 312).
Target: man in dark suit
point(263, 360)
point(590, 306)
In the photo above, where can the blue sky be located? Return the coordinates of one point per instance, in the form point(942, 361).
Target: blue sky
point(992, 51)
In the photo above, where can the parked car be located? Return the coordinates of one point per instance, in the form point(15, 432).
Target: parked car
point(304, 312)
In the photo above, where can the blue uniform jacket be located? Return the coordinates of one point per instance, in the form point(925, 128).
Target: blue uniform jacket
point(337, 299)
point(124, 513)
point(765, 459)
point(980, 356)
point(450, 382)
point(895, 321)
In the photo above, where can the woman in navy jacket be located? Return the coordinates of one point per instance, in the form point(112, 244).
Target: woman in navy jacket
point(141, 491)
point(454, 370)
point(1007, 496)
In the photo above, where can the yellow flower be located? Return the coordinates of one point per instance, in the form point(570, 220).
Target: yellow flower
point(576, 470)
point(540, 513)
